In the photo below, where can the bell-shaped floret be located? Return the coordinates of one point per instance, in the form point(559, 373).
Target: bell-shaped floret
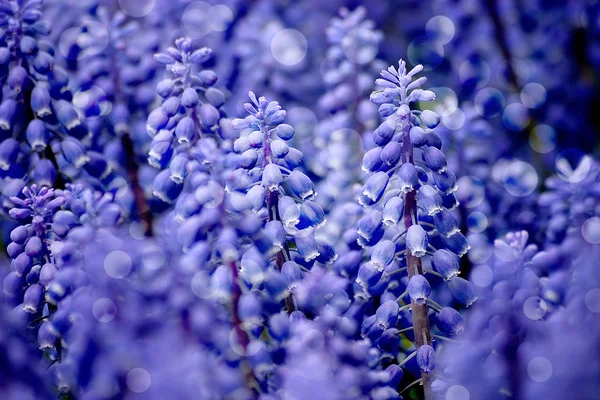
point(426, 358)
point(419, 289)
point(393, 210)
point(463, 291)
point(435, 159)
point(407, 177)
point(383, 253)
point(272, 177)
point(374, 188)
point(429, 200)
point(446, 263)
point(450, 322)
point(372, 160)
point(446, 222)
point(417, 240)
point(387, 314)
point(430, 119)
point(301, 185)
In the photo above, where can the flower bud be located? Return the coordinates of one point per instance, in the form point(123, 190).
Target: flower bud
point(209, 116)
point(311, 214)
point(37, 135)
point(19, 234)
point(44, 173)
point(446, 222)
point(435, 159)
point(457, 243)
point(41, 102)
point(391, 153)
point(387, 314)
point(301, 185)
point(368, 275)
point(445, 181)
point(418, 137)
point(426, 358)
point(34, 247)
point(327, 253)
point(393, 211)
point(430, 119)
point(407, 177)
point(294, 158)
point(421, 95)
point(165, 88)
point(417, 240)
point(446, 263)
point(33, 298)
point(369, 224)
point(9, 152)
point(419, 289)
point(272, 177)
point(170, 106)
point(463, 291)
point(284, 131)
point(374, 188)
point(208, 77)
point(450, 322)
point(165, 188)
point(156, 121)
point(372, 160)
point(429, 200)
point(383, 253)
point(185, 131)
point(306, 244)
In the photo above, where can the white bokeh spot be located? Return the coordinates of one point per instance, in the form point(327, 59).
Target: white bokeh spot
point(137, 8)
point(539, 369)
point(289, 47)
point(104, 310)
point(138, 380)
point(117, 264)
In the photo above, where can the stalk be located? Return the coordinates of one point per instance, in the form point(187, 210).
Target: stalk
point(273, 207)
point(419, 311)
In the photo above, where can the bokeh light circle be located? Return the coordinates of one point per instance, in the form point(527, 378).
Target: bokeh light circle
point(195, 19)
point(441, 28)
point(489, 102)
point(590, 230)
point(104, 310)
point(361, 45)
point(533, 95)
point(289, 47)
point(539, 369)
point(520, 178)
point(138, 380)
point(137, 8)
point(543, 139)
point(117, 264)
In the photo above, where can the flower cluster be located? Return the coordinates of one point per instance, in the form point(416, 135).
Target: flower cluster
point(163, 237)
point(189, 111)
point(409, 227)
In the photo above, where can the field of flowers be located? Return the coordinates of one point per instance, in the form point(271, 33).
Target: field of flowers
point(300, 199)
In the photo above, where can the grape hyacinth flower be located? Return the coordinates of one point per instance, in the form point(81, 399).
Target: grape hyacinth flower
point(283, 194)
point(409, 207)
point(189, 112)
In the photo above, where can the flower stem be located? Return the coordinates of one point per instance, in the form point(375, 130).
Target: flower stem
point(141, 205)
point(273, 207)
point(419, 311)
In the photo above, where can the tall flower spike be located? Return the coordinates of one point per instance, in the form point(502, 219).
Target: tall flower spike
point(284, 190)
point(189, 111)
point(405, 202)
point(36, 103)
